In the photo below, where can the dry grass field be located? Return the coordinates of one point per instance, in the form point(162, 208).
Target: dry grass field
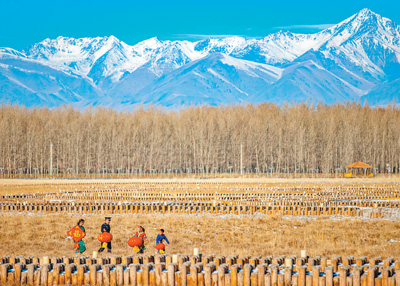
point(39, 235)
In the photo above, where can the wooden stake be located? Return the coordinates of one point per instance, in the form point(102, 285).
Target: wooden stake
point(247, 275)
point(193, 275)
point(45, 274)
point(93, 274)
point(127, 277)
point(99, 278)
point(133, 274)
point(302, 275)
point(357, 275)
point(171, 274)
point(120, 275)
point(329, 275)
point(106, 275)
point(315, 275)
point(371, 276)
point(113, 278)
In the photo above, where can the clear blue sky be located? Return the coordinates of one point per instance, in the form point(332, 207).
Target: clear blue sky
point(23, 23)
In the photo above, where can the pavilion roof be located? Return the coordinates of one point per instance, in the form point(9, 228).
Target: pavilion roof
point(359, 165)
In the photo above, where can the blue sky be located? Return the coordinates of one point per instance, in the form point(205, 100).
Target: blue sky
point(23, 23)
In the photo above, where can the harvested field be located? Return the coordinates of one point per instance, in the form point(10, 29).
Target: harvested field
point(40, 235)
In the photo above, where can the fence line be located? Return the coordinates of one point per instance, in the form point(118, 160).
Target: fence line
point(199, 270)
point(176, 208)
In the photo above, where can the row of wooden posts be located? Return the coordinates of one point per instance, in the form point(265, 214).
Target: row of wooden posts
point(214, 194)
point(113, 195)
point(129, 208)
point(344, 196)
point(230, 188)
point(199, 270)
point(308, 199)
point(141, 205)
point(171, 206)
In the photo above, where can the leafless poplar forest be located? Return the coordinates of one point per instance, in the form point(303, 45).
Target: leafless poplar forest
point(292, 139)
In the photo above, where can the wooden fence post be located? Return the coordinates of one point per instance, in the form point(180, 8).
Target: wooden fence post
point(171, 274)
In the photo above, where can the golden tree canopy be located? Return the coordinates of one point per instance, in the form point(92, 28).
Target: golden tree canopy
point(359, 165)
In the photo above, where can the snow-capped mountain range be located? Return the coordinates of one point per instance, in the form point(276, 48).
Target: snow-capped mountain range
point(355, 60)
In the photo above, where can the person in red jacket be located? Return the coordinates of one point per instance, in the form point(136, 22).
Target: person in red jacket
point(141, 233)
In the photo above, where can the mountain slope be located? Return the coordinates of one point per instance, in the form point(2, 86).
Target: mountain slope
point(196, 83)
point(387, 93)
point(28, 82)
point(309, 82)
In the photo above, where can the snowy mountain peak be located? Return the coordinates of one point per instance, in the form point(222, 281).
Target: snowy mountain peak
point(77, 55)
point(112, 38)
point(67, 47)
point(366, 13)
point(280, 34)
point(367, 18)
point(150, 43)
point(362, 26)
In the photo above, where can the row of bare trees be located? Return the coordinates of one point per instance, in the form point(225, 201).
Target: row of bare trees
point(295, 138)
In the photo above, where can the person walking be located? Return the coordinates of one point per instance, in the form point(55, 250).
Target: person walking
point(159, 241)
point(77, 233)
point(141, 234)
point(105, 227)
point(81, 244)
point(161, 237)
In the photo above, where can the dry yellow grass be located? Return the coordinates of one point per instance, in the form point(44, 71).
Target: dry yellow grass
point(46, 235)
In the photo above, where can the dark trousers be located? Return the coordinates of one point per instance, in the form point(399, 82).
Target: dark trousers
point(108, 246)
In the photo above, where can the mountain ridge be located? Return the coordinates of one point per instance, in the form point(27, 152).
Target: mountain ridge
point(344, 62)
